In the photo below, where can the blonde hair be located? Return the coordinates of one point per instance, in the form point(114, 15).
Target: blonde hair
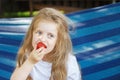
point(59, 55)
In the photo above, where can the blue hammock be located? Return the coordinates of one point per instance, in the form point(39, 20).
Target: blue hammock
point(95, 38)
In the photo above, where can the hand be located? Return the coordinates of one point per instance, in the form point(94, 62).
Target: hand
point(36, 55)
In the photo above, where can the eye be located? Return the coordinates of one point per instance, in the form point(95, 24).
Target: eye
point(50, 35)
point(39, 32)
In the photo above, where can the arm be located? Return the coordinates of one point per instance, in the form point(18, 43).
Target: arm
point(22, 72)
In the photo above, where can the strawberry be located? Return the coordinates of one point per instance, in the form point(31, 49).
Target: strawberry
point(40, 44)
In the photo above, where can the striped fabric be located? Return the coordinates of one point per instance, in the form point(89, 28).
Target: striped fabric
point(96, 42)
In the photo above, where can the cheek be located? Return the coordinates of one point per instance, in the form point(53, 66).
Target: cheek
point(50, 49)
point(34, 39)
point(52, 45)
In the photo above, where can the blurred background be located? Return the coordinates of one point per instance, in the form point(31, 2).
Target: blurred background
point(26, 8)
point(95, 38)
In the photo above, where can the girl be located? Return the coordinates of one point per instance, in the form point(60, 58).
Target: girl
point(55, 61)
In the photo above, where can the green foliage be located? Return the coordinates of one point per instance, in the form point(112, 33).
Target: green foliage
point(18, 14)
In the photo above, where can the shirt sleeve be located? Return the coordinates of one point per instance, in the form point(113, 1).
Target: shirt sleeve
point(74, 72)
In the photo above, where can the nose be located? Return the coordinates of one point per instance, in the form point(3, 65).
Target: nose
point(42, 37)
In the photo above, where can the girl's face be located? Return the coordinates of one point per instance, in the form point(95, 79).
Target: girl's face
point(45, 32)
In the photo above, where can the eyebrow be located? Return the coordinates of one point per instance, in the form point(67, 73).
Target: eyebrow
point(37, 30)
point(53, 33)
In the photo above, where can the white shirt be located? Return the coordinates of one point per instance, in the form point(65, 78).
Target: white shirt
point(42, 70)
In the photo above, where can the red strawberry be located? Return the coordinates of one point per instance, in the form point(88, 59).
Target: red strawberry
point(40, 44)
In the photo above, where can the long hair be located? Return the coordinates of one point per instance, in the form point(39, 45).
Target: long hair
point(59, 55)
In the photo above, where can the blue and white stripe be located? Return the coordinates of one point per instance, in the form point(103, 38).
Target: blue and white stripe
point(96, 42)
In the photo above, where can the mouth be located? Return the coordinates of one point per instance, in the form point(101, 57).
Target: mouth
point(40, 44)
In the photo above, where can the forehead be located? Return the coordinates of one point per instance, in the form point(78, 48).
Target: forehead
point(47, 26)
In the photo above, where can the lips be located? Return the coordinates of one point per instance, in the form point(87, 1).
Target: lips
point(40, 44)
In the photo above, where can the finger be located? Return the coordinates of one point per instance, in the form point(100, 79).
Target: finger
point(40, 49)
point(42, 52)
point(34, 50)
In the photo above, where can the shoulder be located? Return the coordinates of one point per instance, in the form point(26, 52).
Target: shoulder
point(73, 68)
point(72, 61)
